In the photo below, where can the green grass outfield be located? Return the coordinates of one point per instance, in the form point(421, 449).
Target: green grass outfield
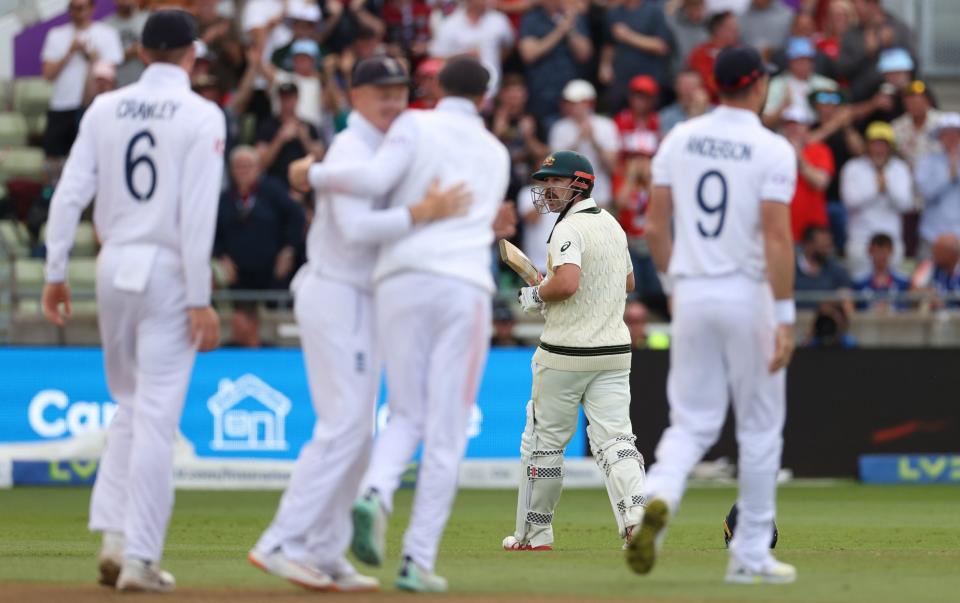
point(851, 543)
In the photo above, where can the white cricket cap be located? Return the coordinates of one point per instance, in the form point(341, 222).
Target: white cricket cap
point(578, 91)
point(947, 121)
point(797, 114)
point(303, 11)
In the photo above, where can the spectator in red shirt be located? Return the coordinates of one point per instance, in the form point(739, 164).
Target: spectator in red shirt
point(408, 27)
point(814, 170)
point(840, 16)
point(639, 122)
point(724, 32)
point(428, 84)
point(630, 202)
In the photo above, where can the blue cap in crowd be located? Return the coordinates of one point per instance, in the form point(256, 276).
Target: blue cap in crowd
point(894, 59)
point(800, 48)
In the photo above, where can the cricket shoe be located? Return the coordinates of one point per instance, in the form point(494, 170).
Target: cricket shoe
point(281, 566)
point(110, 559)
point(642, 548)
point(138, 575)
point(369, 543)
point(628, 537)
point(346, 579)
point(414, 578)
point(510, 543)
point(772, 572)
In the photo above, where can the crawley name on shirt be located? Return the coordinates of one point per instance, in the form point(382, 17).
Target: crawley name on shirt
point(144, 110)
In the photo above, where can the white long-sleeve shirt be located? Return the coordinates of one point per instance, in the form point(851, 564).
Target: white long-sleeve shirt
point(347, 230)
point(152, 153)
point(869, 211)
point(449, 144)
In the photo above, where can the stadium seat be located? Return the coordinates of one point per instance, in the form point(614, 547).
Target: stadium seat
point(14, 238)
point(84, 241)
point(6, 91)
point(22, 162)
point(82, 272)
point(219, 274)
point(29, 274)
point(31, 95)
point(36, 124)
point(13, 129)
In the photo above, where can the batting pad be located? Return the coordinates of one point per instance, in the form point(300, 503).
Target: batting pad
point(540, 490)
point(621, 467)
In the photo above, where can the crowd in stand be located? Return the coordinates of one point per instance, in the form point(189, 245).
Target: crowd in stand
point(877, 161)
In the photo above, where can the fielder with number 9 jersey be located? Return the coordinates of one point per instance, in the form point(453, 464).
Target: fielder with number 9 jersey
point(719, 224)
point(152, 154)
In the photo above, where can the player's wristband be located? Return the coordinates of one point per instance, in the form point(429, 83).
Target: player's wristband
point(666, 283)
point(785, 311)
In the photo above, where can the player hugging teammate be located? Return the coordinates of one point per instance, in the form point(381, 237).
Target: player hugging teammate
point(583, 358)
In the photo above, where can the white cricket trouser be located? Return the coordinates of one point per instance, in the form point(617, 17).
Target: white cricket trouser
point(148, 358)
point(552, 418)
point(434, 334)
point(312, 524)
point(723, 340)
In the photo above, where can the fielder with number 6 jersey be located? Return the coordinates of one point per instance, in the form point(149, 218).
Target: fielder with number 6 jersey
point(152, 153)
point(583, 358)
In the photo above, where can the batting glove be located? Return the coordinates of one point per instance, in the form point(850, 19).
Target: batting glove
point(529, 298)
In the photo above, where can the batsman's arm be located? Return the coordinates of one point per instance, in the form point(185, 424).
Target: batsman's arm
point(566, 249)
point(375, 177)
point(75, 191)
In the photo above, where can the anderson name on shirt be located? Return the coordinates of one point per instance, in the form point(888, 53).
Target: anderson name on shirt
point(717, 148)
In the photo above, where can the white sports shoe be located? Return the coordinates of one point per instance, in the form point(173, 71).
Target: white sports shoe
point(137, 575)
point(278, 564)
point(773, 572)
point(346, 579)
point(414, 578)
point(355, 583)
point(110, 558)
point(510, 543)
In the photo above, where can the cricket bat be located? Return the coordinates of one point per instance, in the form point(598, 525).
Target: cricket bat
point(519, 262)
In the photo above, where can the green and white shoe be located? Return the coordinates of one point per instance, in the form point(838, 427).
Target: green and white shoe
point(369, 543)
point(414, 578)
point(773, 572)
point(642, 548)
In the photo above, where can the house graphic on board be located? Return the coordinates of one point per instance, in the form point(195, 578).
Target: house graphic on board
point(248, 415)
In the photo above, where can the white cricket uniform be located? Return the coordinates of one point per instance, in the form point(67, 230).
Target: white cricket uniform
point(720, 167)
point(432, 293)
point(583, 359)
point(333, 304)
point(152, 153)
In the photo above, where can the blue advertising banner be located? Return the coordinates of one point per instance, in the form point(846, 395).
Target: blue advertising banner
point(910, 468)
point(251, 404)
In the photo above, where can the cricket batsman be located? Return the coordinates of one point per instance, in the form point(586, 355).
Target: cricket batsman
point(583, 358)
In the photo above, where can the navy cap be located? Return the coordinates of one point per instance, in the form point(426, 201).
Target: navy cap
point(737, 67)
point(379, 71)
point(168, 29)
